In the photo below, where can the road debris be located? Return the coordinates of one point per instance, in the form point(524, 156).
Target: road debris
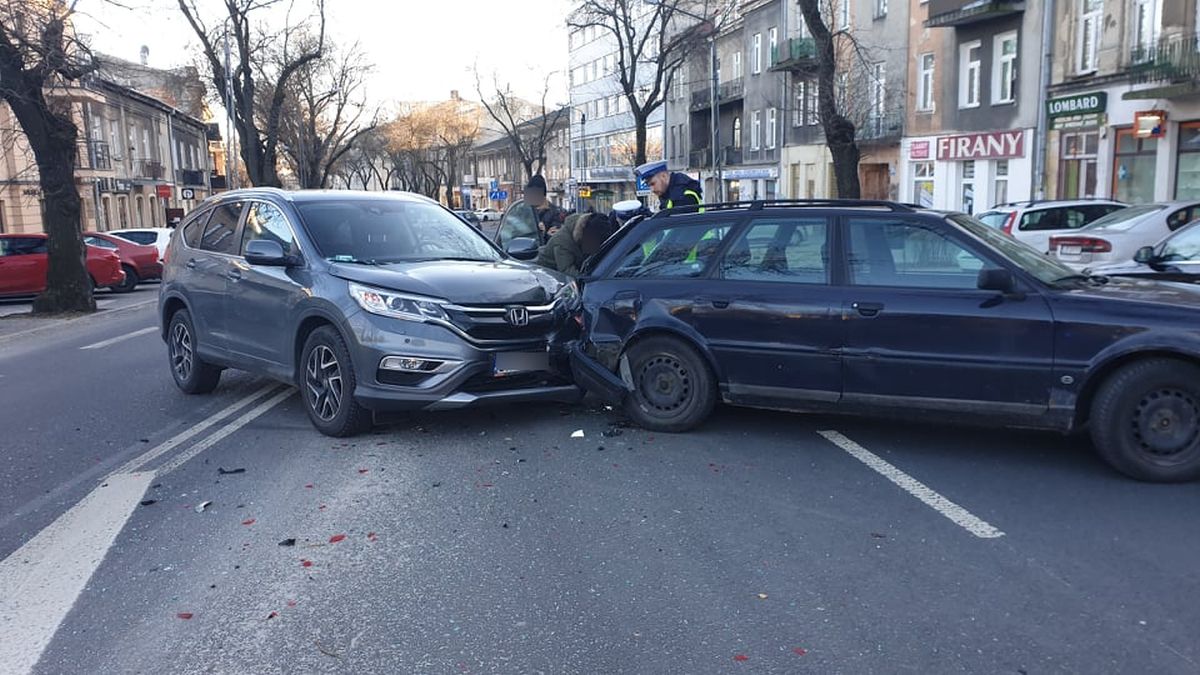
point(148, 502)
point(578, 433)
point(371, 536)
point(762, 596)
point(305, 563)
point(799, 651)
point(288, 542)
point(249, 521)
point(184, 615)
point(326, 652)
point(612, 432)
point(740, 657)
point(878, 535)
point(201, 506)
point(272, 615)
point(336, 538)
point(229, 472)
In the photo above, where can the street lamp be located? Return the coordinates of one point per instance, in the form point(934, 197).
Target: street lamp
point(713, 111)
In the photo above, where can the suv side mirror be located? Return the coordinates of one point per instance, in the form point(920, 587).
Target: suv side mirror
point(996, 279)
point(522, 248)
point(1145, 255)
point(266, 253)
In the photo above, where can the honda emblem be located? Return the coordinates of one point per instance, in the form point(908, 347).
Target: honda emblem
point(517, 316)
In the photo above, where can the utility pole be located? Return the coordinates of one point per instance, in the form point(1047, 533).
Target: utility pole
point(230, 179)
point(718, 184)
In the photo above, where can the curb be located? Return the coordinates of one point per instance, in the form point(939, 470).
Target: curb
point(63, 322)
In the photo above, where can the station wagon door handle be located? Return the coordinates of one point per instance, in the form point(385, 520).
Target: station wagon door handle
point(234, 275)
point(719, 303)
point(868, 309)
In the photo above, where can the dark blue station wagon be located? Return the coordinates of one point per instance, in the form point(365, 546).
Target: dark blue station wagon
point(884, 308)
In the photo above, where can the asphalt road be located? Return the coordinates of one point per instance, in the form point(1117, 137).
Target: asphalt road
point(491, 541)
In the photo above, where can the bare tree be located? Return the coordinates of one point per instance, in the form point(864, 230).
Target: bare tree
point(529, 127)
point(322, 113)
point(258, 118)
point(840, 130)
point(39, 58)
point(649, 52)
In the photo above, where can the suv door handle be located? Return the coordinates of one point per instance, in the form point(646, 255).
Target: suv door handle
point(191, 264)
point(868, 309)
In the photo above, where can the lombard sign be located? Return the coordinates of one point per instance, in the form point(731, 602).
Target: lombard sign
point(993, 145)
point(1079, 104)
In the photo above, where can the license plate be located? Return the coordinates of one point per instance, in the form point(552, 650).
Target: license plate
point(1070, 250)
point(510, 363)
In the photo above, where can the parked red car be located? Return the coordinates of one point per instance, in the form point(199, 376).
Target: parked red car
point(23, 263)
point(139, 261)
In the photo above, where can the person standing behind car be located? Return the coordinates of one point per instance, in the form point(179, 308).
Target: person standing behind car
point(549, 217)
point(674, 189)
point(570, 246)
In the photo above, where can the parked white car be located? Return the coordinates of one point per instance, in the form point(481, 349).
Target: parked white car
point(488, 214)
point(157, 237)
point(1117, 236)
point(1034, 222)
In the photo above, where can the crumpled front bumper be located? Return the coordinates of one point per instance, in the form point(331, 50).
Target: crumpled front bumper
point(592, 376)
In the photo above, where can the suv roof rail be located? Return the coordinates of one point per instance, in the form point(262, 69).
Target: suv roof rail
point(761, 204)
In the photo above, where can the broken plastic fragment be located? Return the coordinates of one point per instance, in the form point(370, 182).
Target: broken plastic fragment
point(310, 486)
point(363, 470)
point(291, 603)
point(201, 506)
point(248, 521)
point(741, 657)
point(184, 615)
point(305, 563)
point(800, 651)
point(148, 502)
point(762, 596)
point(272, 615)
point(336, 538)
point(229, 472)
point(577, 434)
point(288, 542)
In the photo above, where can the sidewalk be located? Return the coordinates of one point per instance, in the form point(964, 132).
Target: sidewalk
point(16, 321)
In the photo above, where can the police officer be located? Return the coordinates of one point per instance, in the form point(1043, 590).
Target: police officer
point(674, 189)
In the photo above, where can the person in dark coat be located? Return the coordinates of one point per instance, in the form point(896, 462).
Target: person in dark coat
point(550, 217)
point(573, 244)
point(674, 189)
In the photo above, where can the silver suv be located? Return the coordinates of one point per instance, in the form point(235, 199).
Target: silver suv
point(1034, 222)
point(365, 301)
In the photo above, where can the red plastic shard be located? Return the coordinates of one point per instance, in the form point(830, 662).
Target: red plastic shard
point(291, 603)
point(800, 651)
point(184, 615)
point(309, 486)
point(740, 657)
point(363, 470)
point(248, 521)
point(305, 563)
point(336, 538)
point(272, 615)
point(370, 536)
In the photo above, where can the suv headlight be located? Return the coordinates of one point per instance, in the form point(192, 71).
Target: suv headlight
point(568, 296)
point(397, 305)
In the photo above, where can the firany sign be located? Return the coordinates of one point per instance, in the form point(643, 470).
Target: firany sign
point(1077, 111)
point(993, 145)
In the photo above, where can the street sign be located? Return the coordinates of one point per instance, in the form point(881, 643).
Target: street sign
point(494, 186)
point(585, 192)
point(642, 186)
point(498, 195)
point(187, 193)
point(163, 191)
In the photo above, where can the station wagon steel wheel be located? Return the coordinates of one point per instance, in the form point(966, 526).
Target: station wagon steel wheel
point(673, 387)
point(191, 373)
point(327, 381)
point(323, 379)
point(182, 355)
point(1145, 420)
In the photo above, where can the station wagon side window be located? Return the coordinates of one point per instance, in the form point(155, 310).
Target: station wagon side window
point(792, 250)
point(906, 254)
point(219, 231)
point(679, 251)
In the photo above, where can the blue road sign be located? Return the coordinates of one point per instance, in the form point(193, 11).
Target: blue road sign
point(498, 195)
point(642, 185)
point(495, 185)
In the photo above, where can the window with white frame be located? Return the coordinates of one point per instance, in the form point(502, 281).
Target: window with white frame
point(773, 44)
point(772, 120)
point(812, 106)
point(843, 14)
point(798, 105)
point(1145, 24)
point(925, 69)
point(881, 8)
point(756, 54)
point(755, 130)
point(878, 95)
point(1004, 68)
point(737, 132)
point(1000, 188)
point(1087, 38)
point(968, 74)
point(737, 65)
point(922, 183)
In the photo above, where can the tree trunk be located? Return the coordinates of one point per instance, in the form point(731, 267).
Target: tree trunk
point(639, 148)
point(839, 130)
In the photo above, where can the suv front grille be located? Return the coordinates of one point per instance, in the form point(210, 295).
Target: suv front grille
point(491, 323)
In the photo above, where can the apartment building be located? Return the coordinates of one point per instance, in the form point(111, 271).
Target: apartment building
point(1124, 105)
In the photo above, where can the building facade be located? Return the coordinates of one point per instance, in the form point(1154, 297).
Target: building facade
point(495, 166)
point(1124, 104)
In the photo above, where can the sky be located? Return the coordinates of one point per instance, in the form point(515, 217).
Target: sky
point(421, 50)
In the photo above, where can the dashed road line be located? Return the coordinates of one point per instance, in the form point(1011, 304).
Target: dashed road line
point(121, 338)
point(957, 514)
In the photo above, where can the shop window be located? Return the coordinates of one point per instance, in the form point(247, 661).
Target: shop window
point(1000, 189)
point(1133, 167)
point(1187, 178)
point(1077, 170)
point(922, 183)
point(968, 187)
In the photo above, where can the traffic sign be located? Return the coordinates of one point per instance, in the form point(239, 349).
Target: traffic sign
point(642, 186)
point(498, 195)
point(585, 192)
point(187, 193)
point(494, 186)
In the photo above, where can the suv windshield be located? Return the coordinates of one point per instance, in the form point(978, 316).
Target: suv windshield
point(1124, 219)
point(1046, 269)
point(380, 231)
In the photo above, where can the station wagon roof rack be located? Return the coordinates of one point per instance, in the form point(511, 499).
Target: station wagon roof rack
point(760, 204)
point(1034, 202)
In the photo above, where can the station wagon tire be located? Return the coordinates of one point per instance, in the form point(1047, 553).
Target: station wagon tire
point(131, 281)
point(1146, 421)
point(327, 384)
point(673, 388)
point(192, 374)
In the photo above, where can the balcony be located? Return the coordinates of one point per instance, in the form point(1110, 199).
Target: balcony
point(148, 169)
point(700, 159)
point(944, 13)
point(217, 182)
point(191, 178)
point(795, 55)
point(732, 156)
point(1172, 66)
point(881, 129)
point(733, 90)
point(94, 156)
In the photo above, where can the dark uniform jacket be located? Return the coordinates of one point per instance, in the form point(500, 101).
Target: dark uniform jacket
point(683, 191)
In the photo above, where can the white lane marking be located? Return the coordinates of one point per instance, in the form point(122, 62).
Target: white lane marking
point(177, 439)
point(254, 413)
point(121, 338)
point(40, 581)
point(957, 514)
